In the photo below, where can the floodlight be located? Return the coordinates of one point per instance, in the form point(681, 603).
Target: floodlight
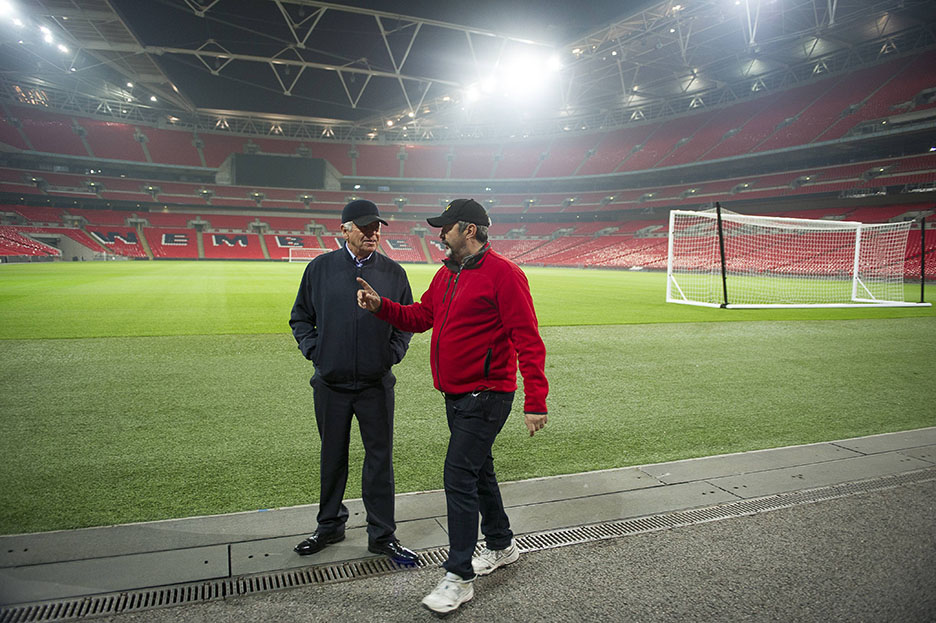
point(63, 48)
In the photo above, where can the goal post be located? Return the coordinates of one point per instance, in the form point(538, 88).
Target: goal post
point(718, 258)
point(304, 254)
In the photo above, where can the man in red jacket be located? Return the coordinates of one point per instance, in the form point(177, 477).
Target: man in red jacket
point(481, 314)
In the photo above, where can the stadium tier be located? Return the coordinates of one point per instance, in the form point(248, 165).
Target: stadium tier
point(378, 161)
point(824, 110)
point(113, 140)
point(425, 162)
point(520, 159)
point(12, 242)
point(403, 247)
point(231, 246)
point(172, 243)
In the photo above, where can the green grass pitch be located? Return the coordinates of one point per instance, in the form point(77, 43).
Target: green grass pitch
point(134, 391)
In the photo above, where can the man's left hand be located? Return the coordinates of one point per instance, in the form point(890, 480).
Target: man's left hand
point(534, 421)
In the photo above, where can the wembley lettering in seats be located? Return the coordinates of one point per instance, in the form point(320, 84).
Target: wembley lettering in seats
point(126, 237)
point(225, 240)
point(397, 244)
point(175, 240)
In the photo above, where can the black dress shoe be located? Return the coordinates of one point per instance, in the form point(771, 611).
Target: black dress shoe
point(395, 552)
point(317, 542)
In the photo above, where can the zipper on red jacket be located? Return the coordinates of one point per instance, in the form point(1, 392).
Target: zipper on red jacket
point(453, 284)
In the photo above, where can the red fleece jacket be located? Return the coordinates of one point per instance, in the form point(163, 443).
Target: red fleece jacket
point(482, 318)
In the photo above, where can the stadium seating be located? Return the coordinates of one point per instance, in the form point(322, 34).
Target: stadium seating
point(403, 247)
point(78, 235)
point(232, 246)
point(172, 243)
point(473, 161)
point(39, 214)
point(567, 154)
point(378, 161)
point(112, 140)
point(10, 134)
point(613, 148)
point(51, 133)
point(519, 160)
point(12, 242)
point(425, 162)
point(119, 241)
point(172, 147)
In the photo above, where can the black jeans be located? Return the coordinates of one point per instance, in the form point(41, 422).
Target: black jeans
point(373, 407)
point(474, 421)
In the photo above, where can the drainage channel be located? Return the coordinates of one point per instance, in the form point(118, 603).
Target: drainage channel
point(200, 592)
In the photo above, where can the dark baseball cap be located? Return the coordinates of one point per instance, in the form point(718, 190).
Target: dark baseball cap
point(361, 212)
point(467, 210)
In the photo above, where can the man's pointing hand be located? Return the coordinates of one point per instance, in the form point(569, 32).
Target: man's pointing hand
point(367, 297)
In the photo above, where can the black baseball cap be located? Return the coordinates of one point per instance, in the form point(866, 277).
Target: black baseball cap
point(467, 210)
point(361, 212)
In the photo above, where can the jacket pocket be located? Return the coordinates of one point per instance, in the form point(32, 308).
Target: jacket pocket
point(487, 362)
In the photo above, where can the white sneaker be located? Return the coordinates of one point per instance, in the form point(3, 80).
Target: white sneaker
point(490, 559)
point(451, 592)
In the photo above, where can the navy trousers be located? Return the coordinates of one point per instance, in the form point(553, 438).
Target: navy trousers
point(373, 408)
point(474, 421)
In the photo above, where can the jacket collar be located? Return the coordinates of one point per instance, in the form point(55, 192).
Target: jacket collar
point(472, 261)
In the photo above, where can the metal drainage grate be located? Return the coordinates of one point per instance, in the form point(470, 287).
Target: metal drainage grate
point(201, 592)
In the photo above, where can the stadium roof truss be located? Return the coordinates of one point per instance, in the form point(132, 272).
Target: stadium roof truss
point(666, 59)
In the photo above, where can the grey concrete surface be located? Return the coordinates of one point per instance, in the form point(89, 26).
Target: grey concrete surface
point(867, 558)
point(64, 564)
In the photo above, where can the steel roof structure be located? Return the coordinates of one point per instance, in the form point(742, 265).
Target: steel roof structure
point(411, 71)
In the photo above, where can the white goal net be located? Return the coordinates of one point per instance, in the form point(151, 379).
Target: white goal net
point(304, 254)
point(784, 262)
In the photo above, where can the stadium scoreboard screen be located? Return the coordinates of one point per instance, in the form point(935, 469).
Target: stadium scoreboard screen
point(277, 171)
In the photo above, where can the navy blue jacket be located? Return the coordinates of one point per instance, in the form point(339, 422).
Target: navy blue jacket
point(350, 347)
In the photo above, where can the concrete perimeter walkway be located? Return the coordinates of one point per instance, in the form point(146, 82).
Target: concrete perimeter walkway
point(69, 564)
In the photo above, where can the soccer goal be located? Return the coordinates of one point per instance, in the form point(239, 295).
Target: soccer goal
point(718, 258)
point(304, 254)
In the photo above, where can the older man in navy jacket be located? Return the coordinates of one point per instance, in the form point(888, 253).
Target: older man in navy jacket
point(353, 352)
